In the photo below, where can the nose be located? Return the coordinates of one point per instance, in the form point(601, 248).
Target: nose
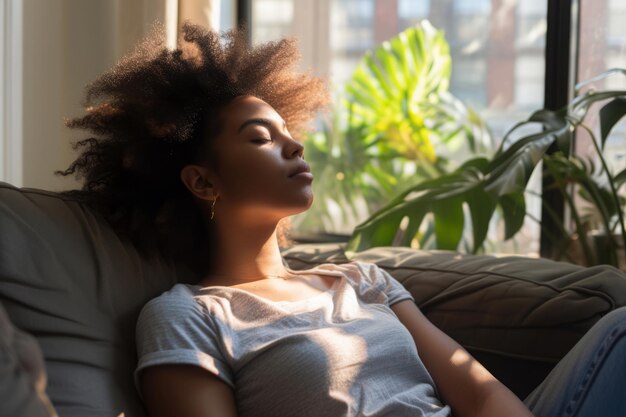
point(294, 148)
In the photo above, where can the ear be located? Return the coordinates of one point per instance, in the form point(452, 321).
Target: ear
point(198, 181)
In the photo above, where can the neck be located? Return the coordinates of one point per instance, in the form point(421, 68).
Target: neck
point(244, 252)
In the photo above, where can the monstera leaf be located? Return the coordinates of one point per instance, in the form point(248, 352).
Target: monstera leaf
point(399, 92)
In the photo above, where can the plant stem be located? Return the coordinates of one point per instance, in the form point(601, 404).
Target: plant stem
point(618, 206)
point(579, 226)
point(554, 238)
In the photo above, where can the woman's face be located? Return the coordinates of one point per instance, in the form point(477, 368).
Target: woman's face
point(257, 157)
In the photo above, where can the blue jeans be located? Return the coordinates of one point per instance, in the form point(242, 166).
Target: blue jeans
point(590, 381)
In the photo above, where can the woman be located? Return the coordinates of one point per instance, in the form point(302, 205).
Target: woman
point(196, 160)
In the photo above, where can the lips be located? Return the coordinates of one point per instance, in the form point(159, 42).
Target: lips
point(303, 167)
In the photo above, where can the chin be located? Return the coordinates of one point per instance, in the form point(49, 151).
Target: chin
point(309, 203)
point(300, 208)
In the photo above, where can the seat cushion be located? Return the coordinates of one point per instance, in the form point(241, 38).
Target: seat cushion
point(68, 279)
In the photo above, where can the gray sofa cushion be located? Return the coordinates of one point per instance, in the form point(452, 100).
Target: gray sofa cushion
point(67, 279)
point(23, 382)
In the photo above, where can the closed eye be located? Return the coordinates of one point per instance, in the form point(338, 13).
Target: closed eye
point(261, 140)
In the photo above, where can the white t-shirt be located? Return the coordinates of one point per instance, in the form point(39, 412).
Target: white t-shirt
point(341, 353)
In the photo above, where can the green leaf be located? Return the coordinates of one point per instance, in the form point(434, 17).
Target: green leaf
point(610, 114)
point(415, 222)
point(479, 164)
point(510, 171)
point(620, 178)
point(482, 206)
point(514, 211)
point(556, 124)
point(379, 230)
point(448, 222)
point(432, 196)
point(577, 110)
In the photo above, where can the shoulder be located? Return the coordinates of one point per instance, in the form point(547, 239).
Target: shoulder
point(179, 299)
point(176, 328)
point(176, 311)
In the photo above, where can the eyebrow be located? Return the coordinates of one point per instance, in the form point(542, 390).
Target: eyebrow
point(257, 121)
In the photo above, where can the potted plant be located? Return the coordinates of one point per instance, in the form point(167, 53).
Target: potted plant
point(484, 185)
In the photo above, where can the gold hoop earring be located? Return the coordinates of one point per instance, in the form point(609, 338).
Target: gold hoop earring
point(213, 208)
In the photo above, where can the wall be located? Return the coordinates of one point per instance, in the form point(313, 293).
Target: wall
point(65, 44)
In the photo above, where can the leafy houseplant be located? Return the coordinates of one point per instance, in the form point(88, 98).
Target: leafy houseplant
point(481, 185)
point(391, 129)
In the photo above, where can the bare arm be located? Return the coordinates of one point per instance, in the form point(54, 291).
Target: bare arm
point(461, 381)
point(185, 391)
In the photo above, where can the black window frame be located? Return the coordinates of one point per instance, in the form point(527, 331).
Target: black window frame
point(561, 67)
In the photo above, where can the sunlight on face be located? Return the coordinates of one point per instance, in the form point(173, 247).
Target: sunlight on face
point(257, 156)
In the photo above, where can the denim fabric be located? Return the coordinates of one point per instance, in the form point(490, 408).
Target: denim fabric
point(590, 381)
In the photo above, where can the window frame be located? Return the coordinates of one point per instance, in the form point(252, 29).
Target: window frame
point(11, 69)
point(560, 58)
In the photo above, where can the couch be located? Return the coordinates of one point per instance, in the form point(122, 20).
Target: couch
point(73, 289)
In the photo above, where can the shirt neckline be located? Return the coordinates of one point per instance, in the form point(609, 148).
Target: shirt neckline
point(322, 294)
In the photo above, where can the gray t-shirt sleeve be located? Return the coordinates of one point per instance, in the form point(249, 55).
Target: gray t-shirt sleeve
point(174, 329)
point(381, 281)
point(393, 289)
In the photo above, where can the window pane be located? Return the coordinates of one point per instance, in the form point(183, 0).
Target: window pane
point(602, 47)
point(616, 35)
point(602, 38)
point(529, 81)
point(271, 19)
point(411, 9)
